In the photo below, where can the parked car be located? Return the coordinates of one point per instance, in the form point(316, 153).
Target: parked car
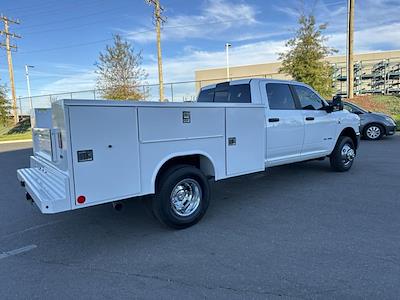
point(373, 125)
point(92, 152)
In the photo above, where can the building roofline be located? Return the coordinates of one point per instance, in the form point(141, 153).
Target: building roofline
point(279, 62)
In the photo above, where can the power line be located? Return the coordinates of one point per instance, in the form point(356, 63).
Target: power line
point(74, 18)
point(55, 9)
point(126, 35)
point(336, 3)
point(26, 7)
point(65, 28)
point(66, 47)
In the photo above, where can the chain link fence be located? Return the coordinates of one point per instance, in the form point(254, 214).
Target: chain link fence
point(184, 91)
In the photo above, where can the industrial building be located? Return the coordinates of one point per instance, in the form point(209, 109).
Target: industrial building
point(374, 73)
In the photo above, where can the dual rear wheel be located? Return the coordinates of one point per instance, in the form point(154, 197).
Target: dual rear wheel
point(182, 196)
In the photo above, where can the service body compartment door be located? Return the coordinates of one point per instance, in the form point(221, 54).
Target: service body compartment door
point(245, 144)
point(105, 152)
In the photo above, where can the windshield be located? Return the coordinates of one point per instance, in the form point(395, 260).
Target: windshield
point(356, 107)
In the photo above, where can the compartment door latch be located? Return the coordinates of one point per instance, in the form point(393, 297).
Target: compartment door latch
point(232, 141)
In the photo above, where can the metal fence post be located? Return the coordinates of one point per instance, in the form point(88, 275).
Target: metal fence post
point(172, 92)
point(94, 94)
point(20, 106)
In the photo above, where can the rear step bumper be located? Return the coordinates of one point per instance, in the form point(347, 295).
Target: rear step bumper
point(47, 188)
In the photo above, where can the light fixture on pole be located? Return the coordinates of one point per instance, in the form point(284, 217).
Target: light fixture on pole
point(28, 84)
point(227, 45)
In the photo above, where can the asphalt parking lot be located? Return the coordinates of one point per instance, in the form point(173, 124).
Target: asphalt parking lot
point(297, 231)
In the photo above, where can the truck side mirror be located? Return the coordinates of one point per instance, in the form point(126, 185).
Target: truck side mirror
point(337, 103)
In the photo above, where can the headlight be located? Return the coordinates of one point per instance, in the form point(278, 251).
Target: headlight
point(390, 120)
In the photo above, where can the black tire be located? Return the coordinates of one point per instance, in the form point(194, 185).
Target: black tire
point(373, 132)
point(340, 158)
point(191, 182)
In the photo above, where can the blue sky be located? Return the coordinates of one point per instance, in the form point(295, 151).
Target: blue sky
point(62, 39)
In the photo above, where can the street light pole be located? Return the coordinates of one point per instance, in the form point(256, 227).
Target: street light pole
point(227, 45)
point(28, 84)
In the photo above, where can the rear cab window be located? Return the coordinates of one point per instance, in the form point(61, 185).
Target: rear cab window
point(206, 95)
point(225, 93)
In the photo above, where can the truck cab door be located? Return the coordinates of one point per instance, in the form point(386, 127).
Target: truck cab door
point(284, 124)
point(319, 125)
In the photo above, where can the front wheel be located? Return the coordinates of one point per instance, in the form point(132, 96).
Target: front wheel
point(342, 157)
point(182, 197)
point(373, 132)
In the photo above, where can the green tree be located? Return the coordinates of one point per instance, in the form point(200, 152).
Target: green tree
point(304, 59)
point(120, 71)
point(4, 106)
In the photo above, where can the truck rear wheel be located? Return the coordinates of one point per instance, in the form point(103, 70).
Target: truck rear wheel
point(182, 197)
point(343, 155)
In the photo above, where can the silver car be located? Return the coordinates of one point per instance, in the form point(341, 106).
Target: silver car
point(373, 125)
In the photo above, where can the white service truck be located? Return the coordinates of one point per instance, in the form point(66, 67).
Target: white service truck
point(92, 152)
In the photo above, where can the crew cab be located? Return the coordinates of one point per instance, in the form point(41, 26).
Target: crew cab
point(92, 152)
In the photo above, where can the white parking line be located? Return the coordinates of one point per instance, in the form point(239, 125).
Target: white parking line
point(17, 251)
point(29, 229)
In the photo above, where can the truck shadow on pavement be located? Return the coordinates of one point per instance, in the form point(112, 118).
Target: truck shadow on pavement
point(95, 227)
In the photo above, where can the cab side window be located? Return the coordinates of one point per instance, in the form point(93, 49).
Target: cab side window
point(308, 99)
point(239, 93)
point(280, 96)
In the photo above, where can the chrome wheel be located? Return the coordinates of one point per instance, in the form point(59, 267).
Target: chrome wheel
point(185, 197)
point(373, 132)
point(348, 154)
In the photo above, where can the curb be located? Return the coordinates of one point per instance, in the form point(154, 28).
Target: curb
point(16, 141)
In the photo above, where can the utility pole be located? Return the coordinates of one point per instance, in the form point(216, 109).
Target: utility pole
point(350, 42)
point(227, 45)
point(8, 47)
point(159, 20)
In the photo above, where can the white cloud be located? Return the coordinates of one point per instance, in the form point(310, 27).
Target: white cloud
point(182, 68)
point(82, 81)
point(216, 16)
point(371, 39)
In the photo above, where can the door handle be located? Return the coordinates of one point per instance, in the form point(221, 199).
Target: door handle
point(309, 118)
point(273, 120)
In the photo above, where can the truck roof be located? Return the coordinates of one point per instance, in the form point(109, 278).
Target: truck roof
point(247, 81)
